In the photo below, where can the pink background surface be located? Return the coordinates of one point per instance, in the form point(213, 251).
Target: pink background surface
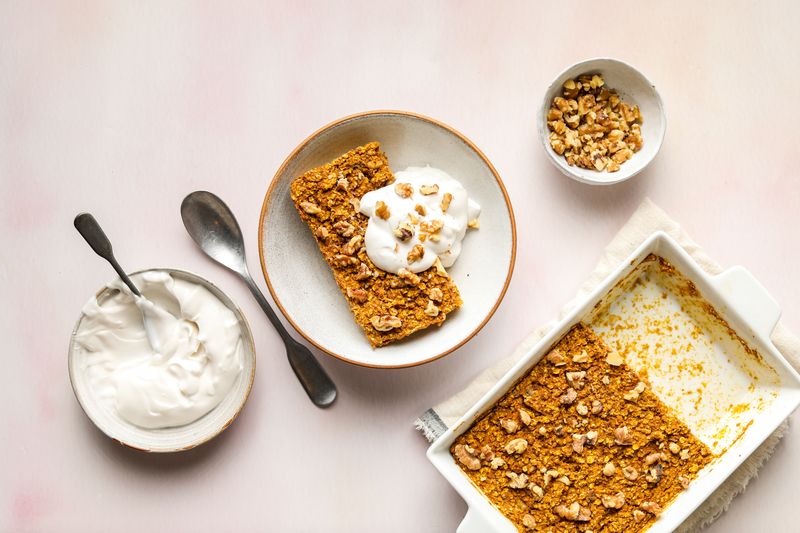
point(122, 108)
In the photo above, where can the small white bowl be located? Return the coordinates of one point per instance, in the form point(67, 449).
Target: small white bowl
point(301, 282)
point(633, 88)
point(173, 439)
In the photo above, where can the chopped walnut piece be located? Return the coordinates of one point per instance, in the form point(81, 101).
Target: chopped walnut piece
point(416, 253)
point(578, 441)
point(434, 226)
point(353, 245)
point(497, 463)
point(516, 446)
point(467, 456)
point(446, 199)
point(427, 190)
point(436, 294)
point(342, 184)
point(538, 492)
point(576, 379)
point(615, 501)
point(408, 276)
point(358, 295)
point(622, 436)
point(437, 264)
point(321, 233)
point(575, 512)
point(609, 469)
point(581, 409)
point(403, 231)
point(630, 473)
point(432, 310)
point(684, 455)
point(419, 208)
point(569, 397)
point(651, 507)
point(654, 458)
point(343, 261)
point(363, 272)
point(597, 407)
point(634, 393)
point(474, 223)
point(638, 515)
point(549, 475)
point(509, 425)
point(654, 473)
point(356, 203)
point(345, 229)
point(528, 521)
point(386, 322)
point(582, 357)
point(564, 480)
point(310, 208)
point(403, 190)
point(486, 452)
point(525, 417)
point(591, 437)
point(674, 448)
point(517, 481)
point(614, 358)
point(382, 210)
point(684, 481)
point(543, 431)
point(555, 358)
point(606, 381)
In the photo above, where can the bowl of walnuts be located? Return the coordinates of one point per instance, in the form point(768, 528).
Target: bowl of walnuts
point(601, 121)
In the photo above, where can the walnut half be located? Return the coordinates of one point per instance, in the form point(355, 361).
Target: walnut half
point(385, 322)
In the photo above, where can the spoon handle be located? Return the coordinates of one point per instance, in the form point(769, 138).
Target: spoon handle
point(319, 387)
point(90, 230)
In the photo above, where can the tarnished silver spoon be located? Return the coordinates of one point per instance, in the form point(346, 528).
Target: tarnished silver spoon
point(214, 228)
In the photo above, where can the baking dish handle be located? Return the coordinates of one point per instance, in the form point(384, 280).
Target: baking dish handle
point(750, 299)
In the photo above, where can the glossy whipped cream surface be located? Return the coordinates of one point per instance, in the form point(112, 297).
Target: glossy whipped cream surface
point(420, 217)
point(199, 358)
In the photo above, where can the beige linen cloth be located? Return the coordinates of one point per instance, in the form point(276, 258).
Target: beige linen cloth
point(647, 219)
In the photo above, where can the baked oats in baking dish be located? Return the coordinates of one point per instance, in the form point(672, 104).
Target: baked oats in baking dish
point(580, 444)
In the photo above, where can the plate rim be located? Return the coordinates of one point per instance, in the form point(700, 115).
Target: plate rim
point(407, 114)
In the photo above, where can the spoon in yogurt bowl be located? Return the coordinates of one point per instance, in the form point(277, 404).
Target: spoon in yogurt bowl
point(213, 227)
point(158, 323)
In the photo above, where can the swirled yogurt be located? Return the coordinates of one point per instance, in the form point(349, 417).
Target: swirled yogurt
point(422, 216)
point(198, 361)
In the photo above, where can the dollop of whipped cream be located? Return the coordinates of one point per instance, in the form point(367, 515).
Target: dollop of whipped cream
point(199, 355)
point(422, 216)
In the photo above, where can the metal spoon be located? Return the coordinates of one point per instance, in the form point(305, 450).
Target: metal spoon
point(213, 227)
point(90, 230)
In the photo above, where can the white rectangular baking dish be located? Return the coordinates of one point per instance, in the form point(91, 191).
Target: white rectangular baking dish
point(744, 305)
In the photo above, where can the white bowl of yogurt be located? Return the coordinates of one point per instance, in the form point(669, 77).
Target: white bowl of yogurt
point(168, 400)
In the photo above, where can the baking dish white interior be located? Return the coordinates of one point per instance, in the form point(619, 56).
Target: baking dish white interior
point(747, 394)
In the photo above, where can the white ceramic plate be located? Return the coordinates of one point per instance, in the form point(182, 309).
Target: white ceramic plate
point(633, 88)
point(301, 282)
point(173, 439)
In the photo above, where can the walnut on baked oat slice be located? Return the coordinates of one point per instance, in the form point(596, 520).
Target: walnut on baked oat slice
point(387, 306)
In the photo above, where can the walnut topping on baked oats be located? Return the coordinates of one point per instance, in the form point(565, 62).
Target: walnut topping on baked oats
point(580, 457)
point(328, 201)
